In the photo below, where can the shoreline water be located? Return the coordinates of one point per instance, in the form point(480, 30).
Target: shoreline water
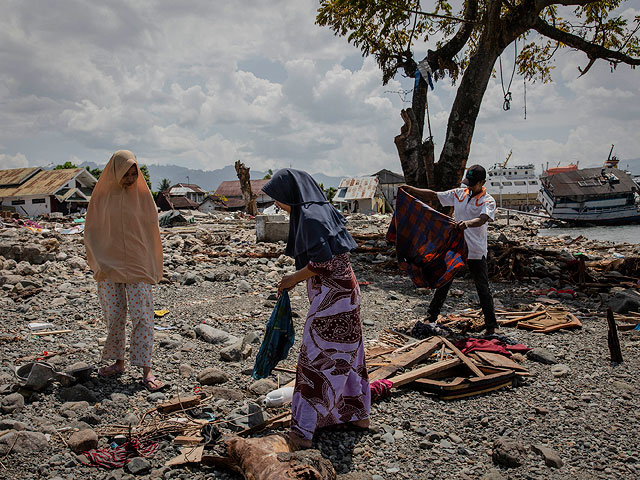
point(617, 234)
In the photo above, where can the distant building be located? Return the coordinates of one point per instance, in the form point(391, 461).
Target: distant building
point(182, 196)
point(233, 193)
point(389, 182)
point(360, 195)
point(35, 191)
point(212, 203)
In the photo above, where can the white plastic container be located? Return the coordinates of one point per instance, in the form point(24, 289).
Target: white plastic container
point(279, 397)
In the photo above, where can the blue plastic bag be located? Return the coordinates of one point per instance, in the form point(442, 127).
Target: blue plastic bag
point(278, 338)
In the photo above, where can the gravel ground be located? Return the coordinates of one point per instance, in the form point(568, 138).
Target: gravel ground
point(589, 417)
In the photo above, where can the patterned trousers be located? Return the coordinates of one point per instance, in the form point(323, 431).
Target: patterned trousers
point(114, 298)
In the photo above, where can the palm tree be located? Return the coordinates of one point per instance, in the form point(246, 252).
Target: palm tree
point(165, 184)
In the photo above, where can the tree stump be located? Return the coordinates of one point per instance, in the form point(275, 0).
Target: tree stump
point(248, 196)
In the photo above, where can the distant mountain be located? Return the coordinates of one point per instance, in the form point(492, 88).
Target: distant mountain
point(210, 179)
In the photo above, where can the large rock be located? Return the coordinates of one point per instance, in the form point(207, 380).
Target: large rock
point(508, 452)
point(551, 458)
point(625, 302)
point(262, 386)
point(138, 465)
point(78, 393)
point(76, 263)
point(235, 352)
point(13, 402)
point(542, 355)
point(214, 335)
point(83, 440)
point(212, 376)
point(247, 416)
point(23, 442)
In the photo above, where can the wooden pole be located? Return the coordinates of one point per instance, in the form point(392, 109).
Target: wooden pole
point(613, 340)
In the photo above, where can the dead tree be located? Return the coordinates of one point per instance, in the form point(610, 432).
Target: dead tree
point(248, 196)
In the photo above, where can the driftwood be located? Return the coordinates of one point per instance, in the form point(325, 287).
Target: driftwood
point(249, 197)
point(271, 458)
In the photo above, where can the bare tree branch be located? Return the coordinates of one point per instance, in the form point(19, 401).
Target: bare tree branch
point(592, 50)
point(542, 4)
point(429, 14)
point(449, 50)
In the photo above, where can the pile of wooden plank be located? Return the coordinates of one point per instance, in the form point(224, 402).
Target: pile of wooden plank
point(539, 319)
point(450, 375)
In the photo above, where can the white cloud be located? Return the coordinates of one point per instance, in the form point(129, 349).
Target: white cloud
point(13, 161)
point(202, 84)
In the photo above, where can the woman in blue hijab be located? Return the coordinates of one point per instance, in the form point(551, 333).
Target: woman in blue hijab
point(332, 385)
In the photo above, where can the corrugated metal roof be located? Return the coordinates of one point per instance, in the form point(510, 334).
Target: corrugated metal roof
point(387, 176)
point(45, 182)
point(231, 188)
point(192, 187)
point(15, 176)
point(358, 188)
point(588, 182)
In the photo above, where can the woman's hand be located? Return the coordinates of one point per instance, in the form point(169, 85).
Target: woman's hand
point(287, 283)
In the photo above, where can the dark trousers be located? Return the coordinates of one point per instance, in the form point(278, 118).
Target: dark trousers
point(480, 275)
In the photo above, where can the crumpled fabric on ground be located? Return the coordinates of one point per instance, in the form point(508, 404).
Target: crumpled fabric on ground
point(380, 389)
point(118, 457)
point(469, 345)
point(278, 338)
point(429, 246)
point(423, 330)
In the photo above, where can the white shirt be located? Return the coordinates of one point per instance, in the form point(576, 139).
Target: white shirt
point(466, 207)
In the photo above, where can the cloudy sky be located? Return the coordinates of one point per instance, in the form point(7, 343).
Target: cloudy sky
point(201, 84)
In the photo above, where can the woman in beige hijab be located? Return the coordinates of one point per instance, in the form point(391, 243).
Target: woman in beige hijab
point(122, 238)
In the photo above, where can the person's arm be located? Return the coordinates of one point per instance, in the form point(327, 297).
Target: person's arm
point(290, 281)
point(423, 194)
point(474, 222)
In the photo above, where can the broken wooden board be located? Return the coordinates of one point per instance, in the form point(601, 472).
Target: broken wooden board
point(461, 387)
point(187, 440)
point(187, 455)
point(424, 372)
point(555, 319)
point(497, 360)
point(506, 322)
point(179, 403)
point(466, 360)
point(407, 360)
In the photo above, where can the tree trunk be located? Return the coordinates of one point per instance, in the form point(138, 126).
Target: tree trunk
point(416, 156)
point(249, 197)
point(462, 119)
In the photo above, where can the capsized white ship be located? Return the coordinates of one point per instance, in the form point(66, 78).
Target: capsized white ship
point(600, 196)
point(513, 187)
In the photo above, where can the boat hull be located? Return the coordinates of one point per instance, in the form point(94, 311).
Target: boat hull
point(593, 213)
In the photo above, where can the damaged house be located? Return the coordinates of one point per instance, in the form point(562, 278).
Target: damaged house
point(232, 192)
point(182, 196)
point(35, 191)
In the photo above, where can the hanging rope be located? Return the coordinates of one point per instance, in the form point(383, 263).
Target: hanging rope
point(426, 105)
point(507, 92)
point(524, 82)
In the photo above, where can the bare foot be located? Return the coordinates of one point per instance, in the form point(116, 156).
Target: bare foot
point(114, 370)
point(362, 423)
point(296, 442)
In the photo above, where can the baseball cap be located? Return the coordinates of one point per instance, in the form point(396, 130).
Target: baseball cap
point(475, 174)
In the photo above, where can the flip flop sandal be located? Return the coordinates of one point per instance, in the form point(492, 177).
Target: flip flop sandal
point(110, 371)
point(153, 384)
